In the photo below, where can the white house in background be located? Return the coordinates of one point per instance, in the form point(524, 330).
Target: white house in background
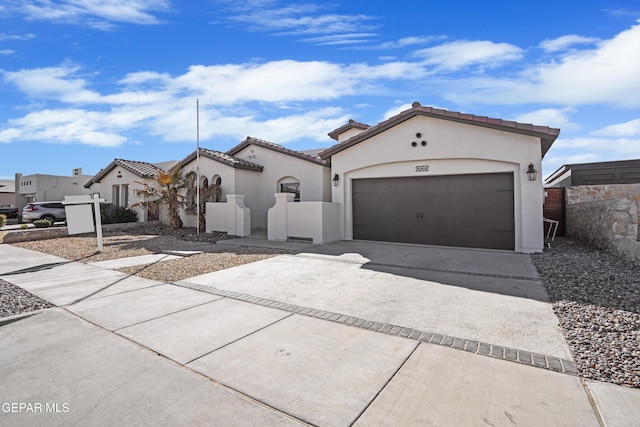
point(44, 188)
point(7, 194)
point(116, 183)
point(256, 170)
point(437, 177)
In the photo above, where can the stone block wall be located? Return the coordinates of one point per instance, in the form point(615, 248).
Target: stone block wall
point(610, 224)
point(592, 193)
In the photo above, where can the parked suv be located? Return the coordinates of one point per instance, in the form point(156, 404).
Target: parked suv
point(52, 211)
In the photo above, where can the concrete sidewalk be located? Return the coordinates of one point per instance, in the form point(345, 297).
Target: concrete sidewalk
point(151, 353)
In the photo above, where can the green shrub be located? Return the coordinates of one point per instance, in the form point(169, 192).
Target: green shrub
point(41, 223)
point(3, 220)
point(110, 214)
point(23, 226)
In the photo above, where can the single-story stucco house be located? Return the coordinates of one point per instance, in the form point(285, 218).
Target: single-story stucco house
point(256, 170)
point(118, 181)
point(439, 177)
point(424, 176)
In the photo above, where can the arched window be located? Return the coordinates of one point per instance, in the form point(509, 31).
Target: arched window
point(290, 184)
point(215, 192)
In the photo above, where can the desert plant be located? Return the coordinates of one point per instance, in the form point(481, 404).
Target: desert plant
point(110, 214)
point(23, 226)
point(42, 223)
point(3, 220)
point(166, 191)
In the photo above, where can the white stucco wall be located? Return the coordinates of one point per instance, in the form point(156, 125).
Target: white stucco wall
point(52, 187)
point(313, 178)
point(105, 189)
point(452, 148)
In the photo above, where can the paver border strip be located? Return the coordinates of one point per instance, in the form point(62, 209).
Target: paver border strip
point(508, 354)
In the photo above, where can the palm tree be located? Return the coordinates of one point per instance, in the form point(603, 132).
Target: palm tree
point(166, 191)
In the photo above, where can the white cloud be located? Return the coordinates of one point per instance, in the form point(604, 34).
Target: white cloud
point(629, 129)
point(395, 111)
point(5, 36)
point(552, 117)
point(99, 14)
point(404, 42)
point(564, 42)
point(7, 52)
point(607, 74)
point(300, 20)
point(69, 110)
point(62, 126)
point(53, 83)
point(459, 54)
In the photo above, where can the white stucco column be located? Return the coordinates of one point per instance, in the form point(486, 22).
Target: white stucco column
point(238, 215)
point(277, 217)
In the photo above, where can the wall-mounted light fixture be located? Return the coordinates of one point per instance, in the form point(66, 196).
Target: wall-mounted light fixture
point(336, 180)
point(532, 173)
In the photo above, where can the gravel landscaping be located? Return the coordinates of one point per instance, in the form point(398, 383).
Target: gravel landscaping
point(596, 296)
point(15, 300)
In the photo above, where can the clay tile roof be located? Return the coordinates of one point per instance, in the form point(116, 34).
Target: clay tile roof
point(352, 124)
point(546, 134)
point(142, 169)
point(224, 158)
point(276, 147)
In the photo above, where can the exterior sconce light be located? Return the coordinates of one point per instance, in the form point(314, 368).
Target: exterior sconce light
point(532, 173)
point(336, 180)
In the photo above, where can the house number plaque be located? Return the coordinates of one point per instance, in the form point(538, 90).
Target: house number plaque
point(422, 168)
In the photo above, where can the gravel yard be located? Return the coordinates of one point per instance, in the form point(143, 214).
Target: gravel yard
point(15, 300)
point(596, 297)
point(195, 265)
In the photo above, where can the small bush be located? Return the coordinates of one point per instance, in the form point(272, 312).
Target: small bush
point(42, 223)
point(110, 214)
point(23, 226)
point(3, 220)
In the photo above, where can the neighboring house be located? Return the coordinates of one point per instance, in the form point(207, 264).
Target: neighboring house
point(232, 174)
point(437, 177)
point(600, 173)
point(574, 184)
point(7, 194)
point(44, 188)
point(117, 184)
point(257, 170)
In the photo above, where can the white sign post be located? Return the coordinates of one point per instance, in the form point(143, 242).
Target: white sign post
point(79, 220)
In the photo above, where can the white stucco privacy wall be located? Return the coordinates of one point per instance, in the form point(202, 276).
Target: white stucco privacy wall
point(318, 221)
point(452, 148)
point(260, 188)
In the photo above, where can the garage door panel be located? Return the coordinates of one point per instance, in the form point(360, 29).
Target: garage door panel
point(460, 210)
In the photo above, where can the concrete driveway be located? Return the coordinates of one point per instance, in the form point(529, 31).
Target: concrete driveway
point(336, 335)
point(493, 297)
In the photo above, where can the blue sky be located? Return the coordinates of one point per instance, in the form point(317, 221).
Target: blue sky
point(85, 81)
